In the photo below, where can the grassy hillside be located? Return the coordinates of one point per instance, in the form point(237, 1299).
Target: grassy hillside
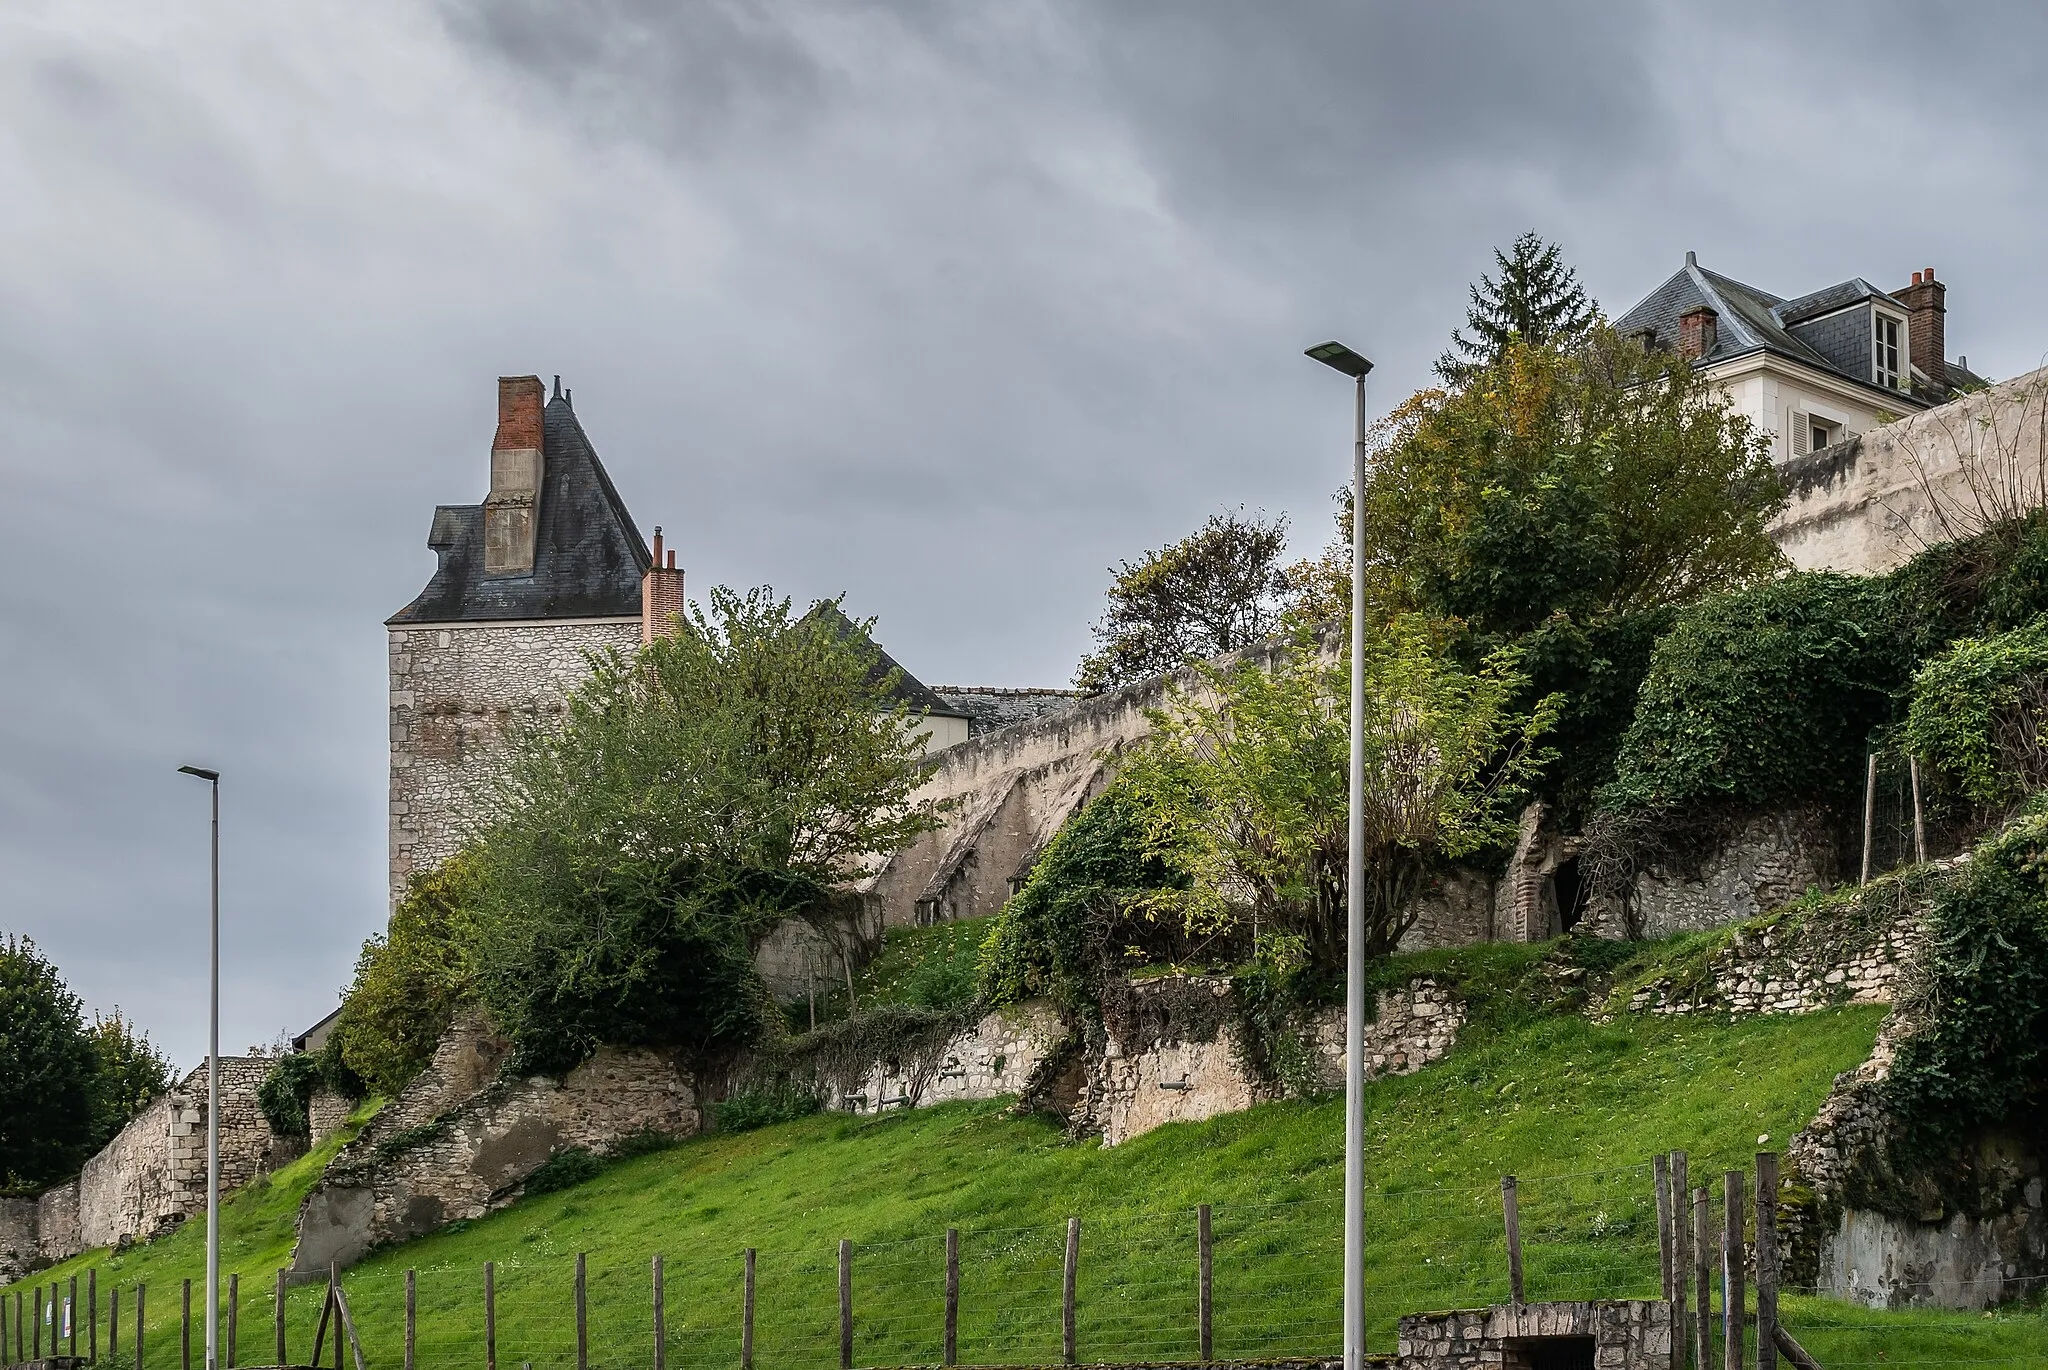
point(1572, 1107)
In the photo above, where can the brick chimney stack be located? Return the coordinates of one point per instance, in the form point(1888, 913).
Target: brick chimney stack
point(513, 505)
point(661, 595)
point(1926, 324)
point(1697, 329)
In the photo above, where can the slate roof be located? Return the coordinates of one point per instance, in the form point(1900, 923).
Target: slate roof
point(920, 697)
point(1751, 320)
point(588, 556)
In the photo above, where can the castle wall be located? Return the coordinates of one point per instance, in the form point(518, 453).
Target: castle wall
point(1868, 504)
point(454, 688)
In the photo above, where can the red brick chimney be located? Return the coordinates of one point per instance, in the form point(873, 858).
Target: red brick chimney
point(661, 595)
point(511, 508)
point(1926, 326)
point(1697, 328)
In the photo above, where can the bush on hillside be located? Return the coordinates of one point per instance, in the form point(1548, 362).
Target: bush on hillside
point(1763, 697)
point(1978, 712)
point(49, 1073)
point(410, 982)
point(286, 1094)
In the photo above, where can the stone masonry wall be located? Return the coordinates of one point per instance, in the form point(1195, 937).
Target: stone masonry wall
point(1762, 862)
point(400, 1179)
point(1793, 968)
point(997, 1055)
point(454, 687)
point(152, 1175)
point(1627, 1334)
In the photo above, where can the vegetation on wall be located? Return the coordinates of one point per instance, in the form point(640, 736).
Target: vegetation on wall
point(1217, 590)
point(691, 797)
point(1242, 788)
point(410, 981)
point(1977, 715)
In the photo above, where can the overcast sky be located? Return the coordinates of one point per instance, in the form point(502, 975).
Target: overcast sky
point(944, 306)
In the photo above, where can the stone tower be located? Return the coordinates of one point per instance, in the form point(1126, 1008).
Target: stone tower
point(548, 567)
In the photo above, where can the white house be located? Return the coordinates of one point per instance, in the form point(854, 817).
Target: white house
point(1811, 370)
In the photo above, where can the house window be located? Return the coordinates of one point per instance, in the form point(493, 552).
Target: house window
point(1887, 351)
point(1810, 433)
point(1822, 432)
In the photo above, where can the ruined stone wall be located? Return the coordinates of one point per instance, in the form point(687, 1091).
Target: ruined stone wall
point(454, 687)
point(401, 1178)
point(1000, 1053)
point(152, 1175)
point(1742, 871)
point(1626, 1334)
point(326, 1114)
point(1795, 967)
point(1868, 504)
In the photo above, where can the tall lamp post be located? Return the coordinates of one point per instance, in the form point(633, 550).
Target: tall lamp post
point(212, 778)
point(1342, 358)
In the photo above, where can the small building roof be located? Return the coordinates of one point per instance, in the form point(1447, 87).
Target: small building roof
point(588, 556)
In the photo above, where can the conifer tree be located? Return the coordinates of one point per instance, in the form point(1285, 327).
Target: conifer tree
point(1536, 298)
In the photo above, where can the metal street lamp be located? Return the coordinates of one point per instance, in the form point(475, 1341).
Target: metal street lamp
point(212, 778)
point(1342, 358)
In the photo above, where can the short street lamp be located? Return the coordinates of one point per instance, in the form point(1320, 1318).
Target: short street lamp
point(1342, 358)
point(212, 778)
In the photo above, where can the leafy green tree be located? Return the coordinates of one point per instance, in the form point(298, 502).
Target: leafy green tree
point(1980, 715)
point(1592, 480)
point(1243, 787)
point(691, 797)
point(1536, 299)
point(410, 982)
point(49, 1073)
point(131, 1072)
point(1217, 590)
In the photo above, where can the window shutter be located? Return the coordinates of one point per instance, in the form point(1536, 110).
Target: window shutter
point(1802, 433)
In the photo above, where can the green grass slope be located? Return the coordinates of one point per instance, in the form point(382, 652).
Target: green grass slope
point(1572, 1107)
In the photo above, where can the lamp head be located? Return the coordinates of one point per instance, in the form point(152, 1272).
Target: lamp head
point(201, 772)
point(1339, 357)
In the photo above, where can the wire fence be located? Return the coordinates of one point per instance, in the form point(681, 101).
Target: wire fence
point(1222, 1282)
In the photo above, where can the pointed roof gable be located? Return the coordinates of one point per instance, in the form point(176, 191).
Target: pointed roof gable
point(588, 555)
point(920, 697)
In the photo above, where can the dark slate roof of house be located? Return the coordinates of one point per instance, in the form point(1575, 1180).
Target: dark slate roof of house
point(1750, 320)
point(990, 707)
point(588, 557)
point(920, 697)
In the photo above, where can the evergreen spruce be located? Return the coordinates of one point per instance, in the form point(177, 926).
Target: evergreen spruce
point(1536, 298)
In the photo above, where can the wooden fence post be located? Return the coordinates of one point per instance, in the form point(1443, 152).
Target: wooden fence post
point(660, 1320)
point(140, 1290)
point(1682, 1257)
point(952, 1296)
point(1205, 1305)
point(277, 1314)
point(185, 1328)
point(1511, 1218)
point(411, 1314)
point(71, 1317)
point(1660, 1176)
point(92, 1314)
point(490, 1315)
point(234, 1322)
point(1067, 1288)
point(747, 1317)
point(846, 1293)
point(1733, 1296)
point(1919, 826)
point(36, 1312)
point(1869, 814)
point(6, 1345)
point(582, 1324)
point(1703, 1282)
point(1766, 1260)
point(114, 1320)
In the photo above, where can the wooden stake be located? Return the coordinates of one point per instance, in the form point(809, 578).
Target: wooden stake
point(1511, 1219)
point(234, 1305)
point(1682, 1257)
point(114, 1321)
point(277, 1314)
point(1794, 1352)
point(92, 1314)
point(1067, 1288)
point(846, 1290)
point(1919, 856)
point(185, 1328)
point(1703, 1282)
point(660, 1320)
point(1660, 1176)
point(140, 1290)
point(1869, 814)
point(411, 1314)
point(1734, 1299)
point(747, 1317)
point(36, 1311)
point(1766, 1260)
point(71, 1317)
point(952, 1296)
point(582, 1324)
point(490, 1315)
point(1205, 1306)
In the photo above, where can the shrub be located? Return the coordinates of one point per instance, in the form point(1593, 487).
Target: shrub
point(565, 1169)
point(1978, 711)
point(286, 1092)
point(782, 1102)
point(410, 982)
point(131, 1073)
point(1763, 697)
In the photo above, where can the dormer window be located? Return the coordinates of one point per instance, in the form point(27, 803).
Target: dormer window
point(1885, 352)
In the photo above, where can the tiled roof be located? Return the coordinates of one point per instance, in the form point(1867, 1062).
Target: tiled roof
point(588, 556)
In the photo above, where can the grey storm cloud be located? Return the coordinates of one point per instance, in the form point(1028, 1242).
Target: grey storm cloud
point(944, 306)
